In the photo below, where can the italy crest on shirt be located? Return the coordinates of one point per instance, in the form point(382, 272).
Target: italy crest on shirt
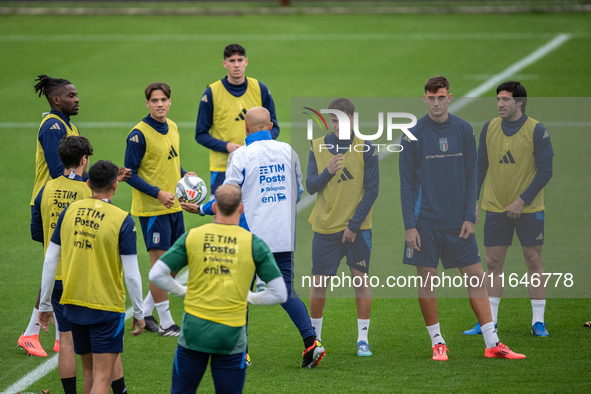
point(443, 144)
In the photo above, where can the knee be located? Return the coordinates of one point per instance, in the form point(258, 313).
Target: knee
point(493, 264)
point(534, 261)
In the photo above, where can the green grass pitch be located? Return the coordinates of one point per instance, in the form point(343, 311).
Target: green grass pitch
point(111, 59)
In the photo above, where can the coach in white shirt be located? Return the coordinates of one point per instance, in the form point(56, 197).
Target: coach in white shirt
point(269, 174)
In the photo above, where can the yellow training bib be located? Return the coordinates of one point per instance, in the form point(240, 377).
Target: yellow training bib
point(511, 167)
point(228, 117)
point(337, 202)
point(42, 175)
point(221, 268)
point(58, 194)
point(160, 167)
point(92, 271)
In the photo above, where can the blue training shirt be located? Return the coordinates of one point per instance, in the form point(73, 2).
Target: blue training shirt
point(205, 114)
point(543, 154)
point(438, 175)
point(371, 176)
point(134, 153)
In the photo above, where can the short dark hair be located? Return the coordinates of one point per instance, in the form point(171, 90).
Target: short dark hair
point(157, 86)
point(344, 105)
point(228, 198)
point(102, 175)
point(72, 149)
point(433, 84)
point(517, 90)
point(234, 49)
point(48, 85)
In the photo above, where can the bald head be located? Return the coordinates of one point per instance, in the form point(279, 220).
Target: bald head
point(257, 119)
point(227, 199)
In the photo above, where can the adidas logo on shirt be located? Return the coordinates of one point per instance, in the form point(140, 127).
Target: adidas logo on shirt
point(508, 158)
point(345, 175)
point(172, 154)
point(540, 237)
point(204, 98)
point(546, 135)
point(135, 139)
point(241, 115)
point(55, 127)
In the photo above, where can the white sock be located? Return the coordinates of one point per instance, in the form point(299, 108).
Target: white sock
point(57, 328)
point(362, 329)
point(33, 327)
point(538, 307)
point(148, 305)
point(163, 309)
point(317, 326)
point(494, 307)
point(491, 339)
point(260, 281)
point(435, 334)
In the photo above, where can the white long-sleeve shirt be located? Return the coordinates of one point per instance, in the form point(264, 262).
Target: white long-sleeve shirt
point(270, 176)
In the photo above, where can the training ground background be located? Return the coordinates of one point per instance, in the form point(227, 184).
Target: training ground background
point(110, 60)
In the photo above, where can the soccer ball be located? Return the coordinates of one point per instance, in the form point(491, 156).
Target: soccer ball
point(191, 189)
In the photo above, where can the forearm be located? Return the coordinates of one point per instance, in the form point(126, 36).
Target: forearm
point(205, 139)
point(133, 280)
point(138, 183)
point(276, 293)
point(160, 276)
point(315, 183)
point(52, 257)
point(36, 225)
point(538, 183)
point(363, 209)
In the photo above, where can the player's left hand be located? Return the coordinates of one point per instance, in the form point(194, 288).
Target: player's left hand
point(43, 319)
point(189, 173)
point(515, 208)
point(123, 174)
point(349, 236)
point(140, 326)
point(467, 229)
point(477, 214)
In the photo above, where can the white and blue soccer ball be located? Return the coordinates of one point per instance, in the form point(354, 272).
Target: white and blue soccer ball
point(191, 189)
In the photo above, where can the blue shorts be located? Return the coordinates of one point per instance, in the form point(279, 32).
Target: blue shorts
point(499, 229)
point(217, 180)
point(328, 250)
point(103, 337)
point(63, 324)
point(228, 371)
point(454, 252)
point(160, 232)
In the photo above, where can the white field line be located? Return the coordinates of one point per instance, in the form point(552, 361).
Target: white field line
point(510, 71)
point(276, 37)
point(51, 363)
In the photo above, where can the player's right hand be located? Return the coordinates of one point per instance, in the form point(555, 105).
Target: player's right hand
point(231, 147)
point(140, 326)
point(166, 198)
point(335, 164)
point(413, 239)
point(43, 319)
